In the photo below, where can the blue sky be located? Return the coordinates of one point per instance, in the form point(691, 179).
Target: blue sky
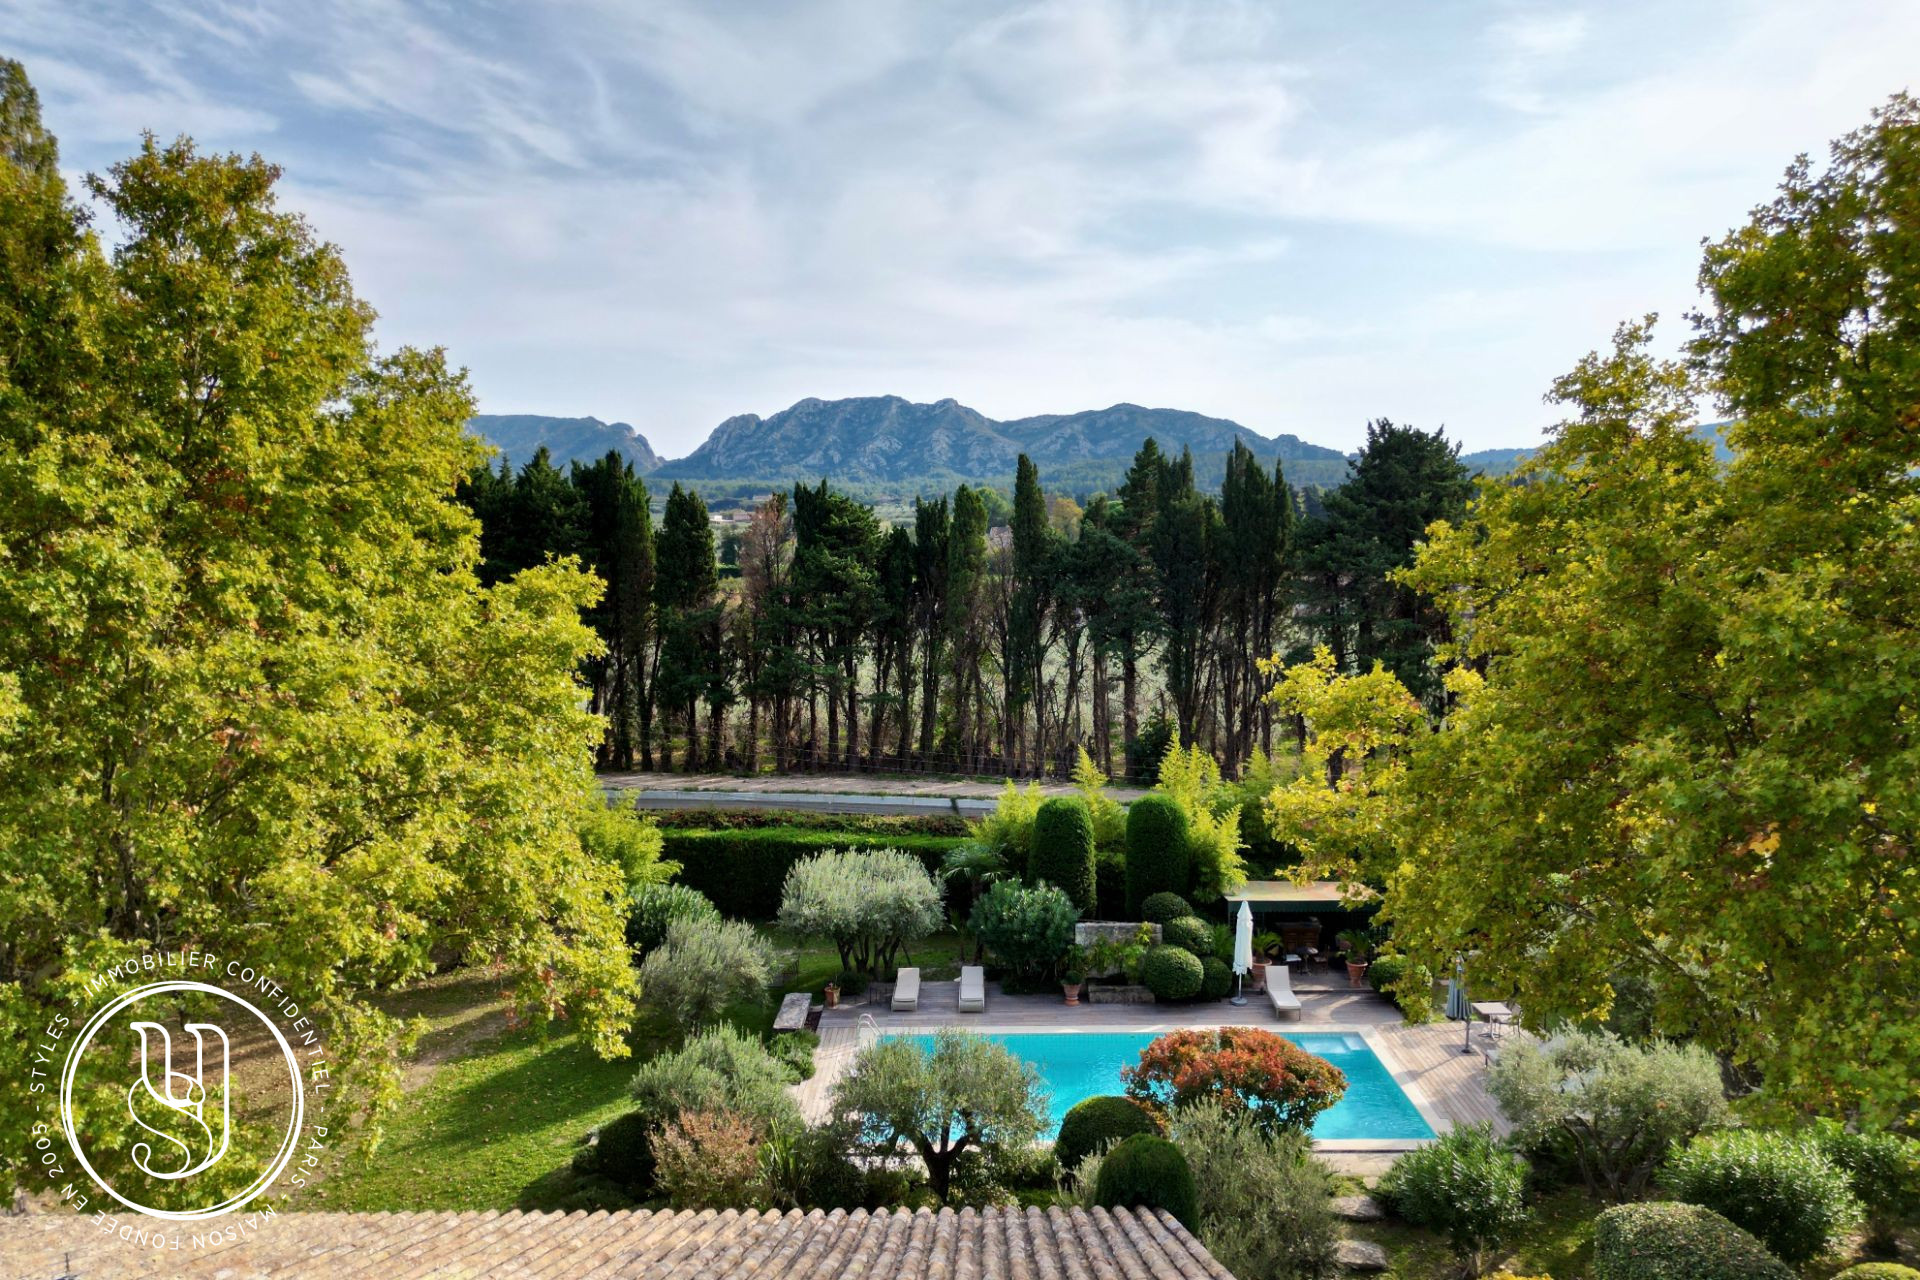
point(1296, 215)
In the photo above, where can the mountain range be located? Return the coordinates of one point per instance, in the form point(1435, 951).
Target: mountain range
point(895, 444)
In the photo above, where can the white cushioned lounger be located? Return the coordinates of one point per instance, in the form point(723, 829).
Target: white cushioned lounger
point(906, 991)
point(1280, 992)
point(973, 989)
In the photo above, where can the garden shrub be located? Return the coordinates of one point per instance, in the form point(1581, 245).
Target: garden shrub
point(1216, 980)
point(1093, 1124)
point(653, 907)
point(1190, 777)
point(1614, 1108)
point(1146, 750)
point(724, 1069)
point(795, 1048)
point(1878, 1271)
point(702, 966)
point(621, 1151)
point(1408, 985)
point(1190, 933)
point(1109, 815)
point(614, 832)
point(1156, 850)
point(1466, 1186)
point(1280, 1086)
point(1009, 827)
point(710, 1160)
point(975, 1183)
point(889, 826)
point(1027, 927)
point(871, 903)
point(1779, 1186)
point(1146, 1171)
point(851, 982)
point(1677, 1242)
point(1884, 1171)
point(809, 1169)
point(1265, 1206)
point(1063, 850)
point(1158, 908)
point(1172, 973)
point(744, 870)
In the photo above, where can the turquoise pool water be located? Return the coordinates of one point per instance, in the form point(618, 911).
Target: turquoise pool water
point(1081, 1064)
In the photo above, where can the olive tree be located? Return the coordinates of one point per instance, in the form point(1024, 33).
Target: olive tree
point(704, 965)
point(873, 903)
point(963, 1093)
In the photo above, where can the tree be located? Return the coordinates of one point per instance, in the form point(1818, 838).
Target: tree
point(932, 567)
point(1032, 560)
point(617, 529)
point(834, 575)
point(255, 699)
point(692, 666)
point(1276, 1084)
point(962, 1093)
point(966, 590)
point(873, 903)
point(702, 966)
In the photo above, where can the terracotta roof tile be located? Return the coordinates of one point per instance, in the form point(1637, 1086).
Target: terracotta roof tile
point(997, 1244)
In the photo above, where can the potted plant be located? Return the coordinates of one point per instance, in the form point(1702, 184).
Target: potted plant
point(1266, 949)
point(1073, 973)
point(1356, 944)
point(832, 993)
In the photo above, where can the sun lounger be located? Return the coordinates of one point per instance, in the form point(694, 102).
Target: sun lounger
point(973, 989)
point(906, 991)
point(1280, 992)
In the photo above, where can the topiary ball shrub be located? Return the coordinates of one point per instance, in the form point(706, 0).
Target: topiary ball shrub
point(1095, 1124)
point(1879, 1271)
point(1172, 973)
point(1063, 850)
point(622, 1152)
point(1190, 933)
point(1157, 860)
point(1147, 1171)
point(1216, 980)
point(1158, 908)
point(1665, 1241)
point(1780, 1186)
point(653, 908)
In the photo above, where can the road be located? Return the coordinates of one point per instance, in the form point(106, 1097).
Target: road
point(821, 793)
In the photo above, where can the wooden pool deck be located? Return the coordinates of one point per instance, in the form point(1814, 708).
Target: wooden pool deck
point(1445, 1084)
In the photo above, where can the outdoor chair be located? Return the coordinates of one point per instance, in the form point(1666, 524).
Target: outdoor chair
point(1280, 992)
point(973, 989)
point(906, 991)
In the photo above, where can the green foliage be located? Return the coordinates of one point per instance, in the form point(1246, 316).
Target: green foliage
point(1190, 933)
point(744, 870)
point(1264, 1200)
point(652, 908)
point(1618, 1107)
point(810, 1169)
point(1172, 973)
point(1027, 927)
point(1216, 979)
point(1009, 828)
point(1146, 751)
point(621, 1152)
point(1109, 815)
point(723, 1069)
point(1146, 1171)
point(1190, 777)
point(1158, 908)
point(1156, 850)
point(1110, 884)
point(702, 966)
point(614, 833)
point(1094, 1124)
point(1883, 1170)
point(1677, 1242)
point(1878, 1271)
point(1467, 1186)
point(1063, 849)
point(796, 1049)
point(871, 903)
point(1409, 985)
point(1780, 1186)
point(255, 696)
point(965, 1093)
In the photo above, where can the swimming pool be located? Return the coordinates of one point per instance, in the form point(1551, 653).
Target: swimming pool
point(1080, 1064)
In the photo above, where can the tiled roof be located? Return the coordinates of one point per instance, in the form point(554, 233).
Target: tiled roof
point(995, 1244)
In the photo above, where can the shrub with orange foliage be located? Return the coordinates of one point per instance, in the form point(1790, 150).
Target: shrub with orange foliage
point(1277, 1083)
point(710, 1160)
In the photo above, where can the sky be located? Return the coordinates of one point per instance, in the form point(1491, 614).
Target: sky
point(1298, 215)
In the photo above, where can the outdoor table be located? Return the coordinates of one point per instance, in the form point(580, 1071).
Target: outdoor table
point(1493, 1012)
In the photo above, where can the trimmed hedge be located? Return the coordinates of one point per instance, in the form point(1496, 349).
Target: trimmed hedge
point(743, 871)
point(1162, 907)
point(1157, 860)
point(1677, 1242)
point(1094, 1124)
point(1148, 1171)
point(1780, 1186)
point(1189, 933)
point(1110, 885)
point(1172, 973)
point(1216, 979)
point(1879, 1271)
point(872, 824)
point(1063, 849)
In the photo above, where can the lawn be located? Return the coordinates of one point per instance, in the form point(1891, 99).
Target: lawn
point(1557, 1241)
point(493, 1115)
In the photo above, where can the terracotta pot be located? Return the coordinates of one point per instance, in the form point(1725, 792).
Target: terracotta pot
point(832, 993)
point(1356, 971)
point(1071, 990)
point(1258, 975)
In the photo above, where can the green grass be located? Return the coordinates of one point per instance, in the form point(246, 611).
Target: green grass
point(1557, 1241)
point(495, 1125)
